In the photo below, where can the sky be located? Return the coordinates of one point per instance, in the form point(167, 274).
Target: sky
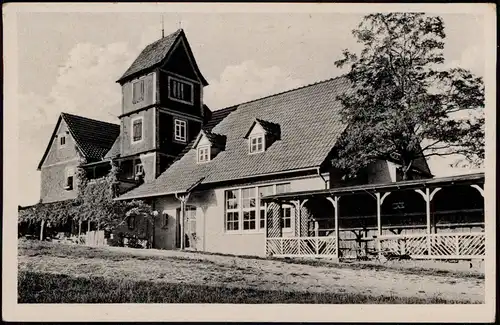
point(69, 62)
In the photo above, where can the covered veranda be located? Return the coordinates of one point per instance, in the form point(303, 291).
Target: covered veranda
point(439, 218)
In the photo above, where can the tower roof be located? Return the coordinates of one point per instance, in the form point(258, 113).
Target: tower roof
point(154, 54)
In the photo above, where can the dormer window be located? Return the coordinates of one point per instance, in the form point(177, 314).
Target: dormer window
point(261, 135)
point(208, 145)
point(180, 90)
point(203, 154)
point(257, 143)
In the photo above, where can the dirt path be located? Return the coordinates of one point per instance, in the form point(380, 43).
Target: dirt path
point(216, 270)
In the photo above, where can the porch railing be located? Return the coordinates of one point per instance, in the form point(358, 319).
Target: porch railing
point(435, 246)
point(301, 246)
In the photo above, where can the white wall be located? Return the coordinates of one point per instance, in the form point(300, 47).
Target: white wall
point(210, 219)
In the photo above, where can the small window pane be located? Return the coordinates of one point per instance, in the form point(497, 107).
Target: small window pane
point(248, 197)
point(262, 218)
point(249, 221)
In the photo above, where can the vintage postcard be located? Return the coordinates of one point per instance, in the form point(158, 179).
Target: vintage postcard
point(249, 162)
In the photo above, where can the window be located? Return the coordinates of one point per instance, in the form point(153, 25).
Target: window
point(282, 188)
point(243, 202)
point(164, 220)
point(70, 173)
point(287, 217)
point(138, 91)
point(138, 169)
point(180, 130)
point(288, 211)
point(62, 140)
point(264, 191)
point(204, 154)
point(181, 91)
point(257, 144)
point(137, 129)
point(190, 220)
point(131, 222)
point(232, 210)
point(248, 207)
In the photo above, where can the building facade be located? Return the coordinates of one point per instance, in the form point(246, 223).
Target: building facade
point(206, 172)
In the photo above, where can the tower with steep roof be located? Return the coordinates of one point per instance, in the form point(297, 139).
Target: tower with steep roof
point(162, 107)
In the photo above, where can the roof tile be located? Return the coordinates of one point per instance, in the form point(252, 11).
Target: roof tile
point(95, 138)
point(152, 54)
point(309, 119)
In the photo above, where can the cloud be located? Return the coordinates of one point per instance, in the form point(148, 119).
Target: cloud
point(247, 81)
point(85, 85)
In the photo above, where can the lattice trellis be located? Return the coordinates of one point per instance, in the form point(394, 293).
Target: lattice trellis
point(273, 246)
point(304, 221)
point(436, 245)
point(301, 246)
point(274, 228)
point(472, 245)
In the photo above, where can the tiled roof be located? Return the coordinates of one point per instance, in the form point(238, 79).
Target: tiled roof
point(309, 118)
point(94, 138)
point(218, 116)
point(155, 53)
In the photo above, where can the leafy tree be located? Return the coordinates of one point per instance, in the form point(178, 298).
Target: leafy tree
point(94, 203)
point(404, 105)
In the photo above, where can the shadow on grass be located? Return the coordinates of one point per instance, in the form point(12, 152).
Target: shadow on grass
point(57, 288)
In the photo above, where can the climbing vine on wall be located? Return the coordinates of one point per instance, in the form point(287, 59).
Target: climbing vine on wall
point(94, 203)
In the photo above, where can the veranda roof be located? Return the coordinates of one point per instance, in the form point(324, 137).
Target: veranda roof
point(473, 178)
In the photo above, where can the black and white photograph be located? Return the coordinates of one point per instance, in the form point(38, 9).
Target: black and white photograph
point(227, 156)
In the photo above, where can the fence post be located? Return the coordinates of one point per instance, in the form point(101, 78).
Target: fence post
point(298, 246)
point(41, 229)
point(281, 241)
point(457, 243)
point(317, 248)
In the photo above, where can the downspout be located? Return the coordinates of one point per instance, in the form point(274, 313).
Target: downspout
point(183, 200)
point(324, 180)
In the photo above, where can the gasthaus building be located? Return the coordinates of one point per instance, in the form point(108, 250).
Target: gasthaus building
point(256, 179)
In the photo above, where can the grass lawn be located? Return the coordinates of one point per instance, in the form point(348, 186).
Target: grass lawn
point(55, 273)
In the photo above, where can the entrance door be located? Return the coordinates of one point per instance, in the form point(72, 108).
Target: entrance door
point(189, 228)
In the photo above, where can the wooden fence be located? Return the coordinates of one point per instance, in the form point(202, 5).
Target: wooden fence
point(436, 246)
point(301, 246)
point(95, 238)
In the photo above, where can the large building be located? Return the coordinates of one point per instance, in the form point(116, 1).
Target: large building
point(206, 172)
